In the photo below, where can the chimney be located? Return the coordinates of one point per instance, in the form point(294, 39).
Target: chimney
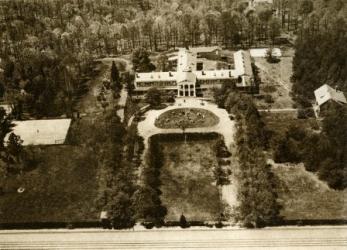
point(203, 73)
point(170, 74)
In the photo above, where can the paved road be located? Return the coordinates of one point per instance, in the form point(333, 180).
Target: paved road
point(273, 238)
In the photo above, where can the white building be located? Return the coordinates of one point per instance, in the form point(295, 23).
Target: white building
point(187, 81)
point(325, 95)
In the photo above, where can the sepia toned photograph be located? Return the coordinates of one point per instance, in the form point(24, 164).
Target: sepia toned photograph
point(173, 124)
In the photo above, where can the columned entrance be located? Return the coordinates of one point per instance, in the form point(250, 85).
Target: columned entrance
point(186, 90)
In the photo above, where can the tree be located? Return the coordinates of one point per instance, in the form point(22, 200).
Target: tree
point(183, 222)
point(115, 79)
point(121, 212)
point(306, 7)
point(141, 61)
point(5, 126)
point(153, 97)
point(162, 62)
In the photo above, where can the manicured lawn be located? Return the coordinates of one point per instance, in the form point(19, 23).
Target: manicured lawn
point(61, 189)
point(304, 196)
point(188, 185)
point(188, 117)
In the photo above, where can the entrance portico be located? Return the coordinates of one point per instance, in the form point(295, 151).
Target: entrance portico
point(186, 84)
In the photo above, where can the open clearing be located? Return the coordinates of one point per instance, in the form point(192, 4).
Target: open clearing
point(276, 82)
point(188, 184)
point(305, 197)
point(61, 189)
point(187, 117)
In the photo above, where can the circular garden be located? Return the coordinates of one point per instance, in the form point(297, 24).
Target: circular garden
point(186, 118)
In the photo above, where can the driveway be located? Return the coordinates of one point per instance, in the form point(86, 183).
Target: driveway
point(225, 127)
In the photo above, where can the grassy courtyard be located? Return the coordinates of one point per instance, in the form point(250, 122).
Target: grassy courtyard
point(188, 184)
point(186, 117)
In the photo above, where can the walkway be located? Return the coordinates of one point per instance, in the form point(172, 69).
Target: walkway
point(269, 238)
point(225, 127)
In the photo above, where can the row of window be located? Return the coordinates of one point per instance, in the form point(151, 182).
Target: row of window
point(156, 84)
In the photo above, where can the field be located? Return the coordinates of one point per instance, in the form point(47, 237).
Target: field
point(305, 197)
point(187, 117)
point(280, 122)
point(188, 185)
point(61, 189)
point(276, 80)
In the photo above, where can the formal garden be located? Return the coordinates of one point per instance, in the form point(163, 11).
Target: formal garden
point(186, 118)
point(184, 174)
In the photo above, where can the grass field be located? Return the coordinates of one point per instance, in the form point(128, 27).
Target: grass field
point(188, 184)
point(61, 189)
point(280, 122)
point(276, 76)
point(304, 197)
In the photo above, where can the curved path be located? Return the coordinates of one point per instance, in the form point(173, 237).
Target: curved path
point(268, 238)
point(225, 127)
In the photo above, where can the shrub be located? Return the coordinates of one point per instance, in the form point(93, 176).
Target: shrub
point(268, 99)
point(183, 222)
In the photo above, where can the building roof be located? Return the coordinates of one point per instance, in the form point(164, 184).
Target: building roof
point(326, 93)
point(156, 76)
point(243, 63)
point(276, 52)
point(41, 132)
point(186, 60)
point(215, 74)
point(204, 49)
point(186, 77)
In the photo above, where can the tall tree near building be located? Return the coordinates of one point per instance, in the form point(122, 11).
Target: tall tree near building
point(141, 61)
point(115, 79)
point(153, 97)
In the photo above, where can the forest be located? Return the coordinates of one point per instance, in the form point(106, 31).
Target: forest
point(48, 48)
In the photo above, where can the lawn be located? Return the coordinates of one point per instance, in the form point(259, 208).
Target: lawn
point(187, 117)
point(276, 82)
point(304, 197)
point(61, 189)
point(188, 185)
point(280, 122)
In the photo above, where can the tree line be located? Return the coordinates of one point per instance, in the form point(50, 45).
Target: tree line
point(258, 205)
point(323, 153)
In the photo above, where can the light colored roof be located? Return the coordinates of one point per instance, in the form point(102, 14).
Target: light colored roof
point(215, 74)
point(41, 132)
point(263, 1)
point(186, 60)
point(263, 52)
point(173, 58)
point(243, 63)
point(186, 77)
point(156, 76)
point(204, 49)
point(326, 93)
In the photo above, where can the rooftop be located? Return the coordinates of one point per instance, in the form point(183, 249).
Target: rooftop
point(326, 93)
point(204, 49)
point(186, 60)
